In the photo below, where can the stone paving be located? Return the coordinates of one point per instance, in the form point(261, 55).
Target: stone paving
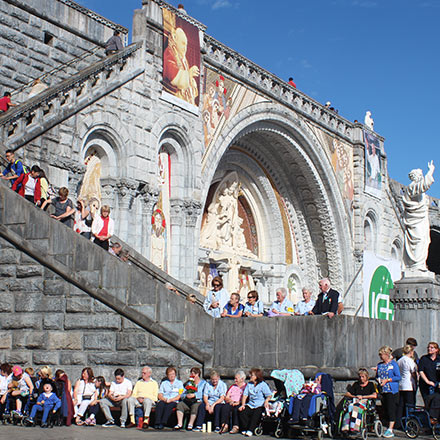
point(98, 433)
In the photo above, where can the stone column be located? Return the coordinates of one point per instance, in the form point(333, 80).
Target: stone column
point(178, 252)
point(192, 212)
point(126, 189)
point(417, 300)
point(149, 199)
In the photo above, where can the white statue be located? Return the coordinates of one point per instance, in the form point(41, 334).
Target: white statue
point(158, 239)
point(91, 184)
point(369, 122)
point(416, 219)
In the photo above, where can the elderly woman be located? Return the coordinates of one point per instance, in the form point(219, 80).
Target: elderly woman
point(388, 375)
point(254, 306)
point(305, 306)
point(233, 309)
point(213, 399)
point(232, 403)
point(170, 391)
point(216, 298)
point(359, 391)
point(83, 394)
point(282, 306)
point(257, 394)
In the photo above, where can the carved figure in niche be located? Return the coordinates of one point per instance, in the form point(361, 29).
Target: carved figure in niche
point(90, 190)
point(246, 284)
point(416, 219)
point(233, 279)
point(227, 219)
point(158, 242)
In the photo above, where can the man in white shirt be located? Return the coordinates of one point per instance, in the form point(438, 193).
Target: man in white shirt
point(120, 391)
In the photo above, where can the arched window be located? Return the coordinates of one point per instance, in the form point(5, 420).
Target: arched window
point(396, 250)
point(370, 231)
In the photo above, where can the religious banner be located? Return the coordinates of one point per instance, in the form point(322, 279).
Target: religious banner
point(373, 170)
point(181, 60)
point(379, 275)
point(223, 98)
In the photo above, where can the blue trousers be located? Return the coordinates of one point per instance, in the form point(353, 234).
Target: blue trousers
point(46, 410)
point(201, 415)
point(163, 412)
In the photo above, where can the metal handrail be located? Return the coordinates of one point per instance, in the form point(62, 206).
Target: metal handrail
point(57, 69)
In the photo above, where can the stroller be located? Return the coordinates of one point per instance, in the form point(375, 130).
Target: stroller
point(314, 413)
point(287, 383)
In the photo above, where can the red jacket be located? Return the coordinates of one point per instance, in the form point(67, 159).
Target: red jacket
point(22, 182)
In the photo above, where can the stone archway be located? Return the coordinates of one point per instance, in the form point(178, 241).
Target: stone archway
point(296, 168)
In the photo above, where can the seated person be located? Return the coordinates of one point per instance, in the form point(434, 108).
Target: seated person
point(169, 394)
point(191, 399)
point(233, 309)
point(5, 378)
point(46, 402)
point(306, 305)
point(100, 393)
point(282, 306)
point(254, 306)
point(359, 392)
point(120, 391)
point(327, 302)
point(20, 388)
point(213, 399)
point(144, 395)
point(232, 403)
point(299, 404)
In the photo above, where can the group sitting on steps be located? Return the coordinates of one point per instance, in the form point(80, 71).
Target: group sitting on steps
point(200, 405)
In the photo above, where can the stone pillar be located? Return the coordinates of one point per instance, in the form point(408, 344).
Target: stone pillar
point(178, 252)
point(417, 300)
point(126, 189)
point(149, 199)
point(192, 212)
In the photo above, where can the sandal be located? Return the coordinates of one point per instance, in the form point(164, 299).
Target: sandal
point(177, 427)
point(224, 429)
point(234, 430)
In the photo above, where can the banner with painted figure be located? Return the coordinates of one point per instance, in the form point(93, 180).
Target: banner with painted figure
point(181, 59)
point(223, 98)
point(373, 165)
point(379, 275)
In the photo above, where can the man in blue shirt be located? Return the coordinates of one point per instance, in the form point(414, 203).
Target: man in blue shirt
point(15, 168)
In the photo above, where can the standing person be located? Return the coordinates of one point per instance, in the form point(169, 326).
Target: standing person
point(192, 398)
point(28, 185)
point(388, 375)
point(408, 383)
point(216, 299)
point(15, 167)
point(213, 399)
point(257, 394)
point(5, 379)
point(83, 394)
point(282, 306)
point(169, 394)
point(114, 44)
point(291, 83)
point(398, 352)
point(120, 391)
point(103, 228)
point(82, 223)
point(67, 410)
point(327, 302)
point(233, 309)
point(144, 396)
point(5, 102)
point(253, 306)
point(44, 187)
point(429, 370)
point(63, 207)
point(305, 306)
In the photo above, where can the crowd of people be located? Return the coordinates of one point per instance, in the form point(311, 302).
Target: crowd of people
point(219, 304)
point(34, 186)
point(198, 403)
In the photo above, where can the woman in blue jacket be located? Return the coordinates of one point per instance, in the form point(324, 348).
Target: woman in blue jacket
point(388, 375)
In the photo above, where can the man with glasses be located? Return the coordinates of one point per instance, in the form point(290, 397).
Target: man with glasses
point(327, 302)
point(144, 395)
point(216, 299)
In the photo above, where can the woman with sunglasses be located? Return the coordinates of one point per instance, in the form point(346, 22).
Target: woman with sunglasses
point(216, 299)
point(253, 306)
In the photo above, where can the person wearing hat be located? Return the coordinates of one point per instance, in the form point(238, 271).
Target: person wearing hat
point(24, 388)
point(47, 401)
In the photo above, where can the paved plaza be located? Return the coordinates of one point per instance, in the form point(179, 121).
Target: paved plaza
point(98, 433)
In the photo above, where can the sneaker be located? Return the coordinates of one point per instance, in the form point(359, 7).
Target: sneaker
point(177, 428)
point(388, 434)
point(217, 430)
point(189, 427)
point(122, 424)
point(197, 429)
point(248, 434)
point(109, 424)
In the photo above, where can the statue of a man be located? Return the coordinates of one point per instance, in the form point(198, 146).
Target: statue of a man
point(416, 219)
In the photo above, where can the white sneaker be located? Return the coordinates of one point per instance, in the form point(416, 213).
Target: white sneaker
point(249, 434)
point(122, 425)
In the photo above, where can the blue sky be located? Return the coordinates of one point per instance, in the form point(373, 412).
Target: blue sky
point(378, 55)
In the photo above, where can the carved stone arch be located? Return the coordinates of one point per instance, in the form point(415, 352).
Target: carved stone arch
point(114, 140)
point(397, 249)
point(370, 230)
point(293, 144)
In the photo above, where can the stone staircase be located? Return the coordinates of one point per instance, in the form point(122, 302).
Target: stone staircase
point(135, 293)
point(32, 118)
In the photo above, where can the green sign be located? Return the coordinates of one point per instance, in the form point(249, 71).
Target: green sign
point(379, 297)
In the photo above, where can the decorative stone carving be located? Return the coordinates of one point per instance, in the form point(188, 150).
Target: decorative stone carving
point(222, 230)
point(91, 186)
point(416, 221)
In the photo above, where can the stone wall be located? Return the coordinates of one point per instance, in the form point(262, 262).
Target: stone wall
point(40, 35)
